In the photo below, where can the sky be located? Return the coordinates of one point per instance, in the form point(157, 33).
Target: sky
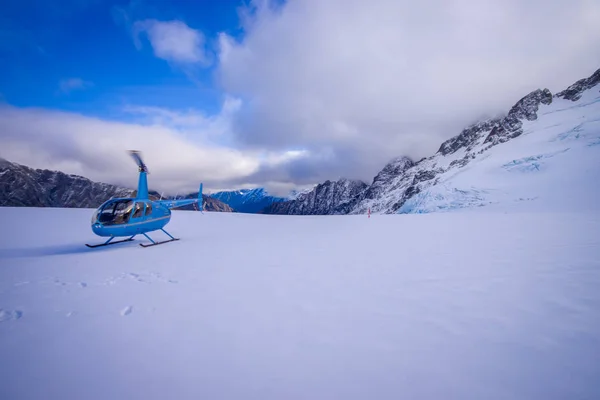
point(282, 94)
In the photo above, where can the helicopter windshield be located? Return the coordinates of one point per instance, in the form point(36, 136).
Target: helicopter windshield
point(115, 212)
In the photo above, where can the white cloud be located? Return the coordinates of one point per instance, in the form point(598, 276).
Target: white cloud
point(69, 85)
point(173, 41)
point(359, 82)
point(178, 159)
point(181, 148)
point(217, 126)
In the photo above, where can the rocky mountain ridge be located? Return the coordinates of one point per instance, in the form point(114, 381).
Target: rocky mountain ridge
point(402, 178)
point(247, 200)
point(22, 186)
point(326, 198)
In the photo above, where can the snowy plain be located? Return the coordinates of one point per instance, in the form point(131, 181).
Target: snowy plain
point(490, 303)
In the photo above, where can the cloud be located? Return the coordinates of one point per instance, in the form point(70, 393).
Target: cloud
point(218, 126)
point(69, 85)
point(180, 147)
point(178, 158)
point(173, 41)
point(356, 83)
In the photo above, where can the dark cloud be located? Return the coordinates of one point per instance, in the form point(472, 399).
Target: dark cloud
point(369, 81)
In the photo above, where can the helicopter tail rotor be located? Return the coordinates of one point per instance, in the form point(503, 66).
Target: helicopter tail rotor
point(137, 157)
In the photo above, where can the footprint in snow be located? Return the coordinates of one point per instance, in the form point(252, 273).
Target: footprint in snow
point(137, 277)
point(6, 315)
point(83, 284)
point(126, 311)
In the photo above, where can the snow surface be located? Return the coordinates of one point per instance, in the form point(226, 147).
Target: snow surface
point(481, 304)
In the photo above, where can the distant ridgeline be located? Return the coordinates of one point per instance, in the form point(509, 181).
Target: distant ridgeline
point(22, 186)
point(247, 200)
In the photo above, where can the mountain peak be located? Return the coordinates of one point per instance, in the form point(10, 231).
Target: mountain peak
point(574, 91)
point(525, 109)
point(247, 200)
point(468, 137)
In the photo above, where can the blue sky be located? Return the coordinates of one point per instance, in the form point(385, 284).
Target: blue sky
point(46, 42)
point(272, 93)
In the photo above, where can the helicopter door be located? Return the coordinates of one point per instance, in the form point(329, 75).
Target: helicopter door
point(138, 211)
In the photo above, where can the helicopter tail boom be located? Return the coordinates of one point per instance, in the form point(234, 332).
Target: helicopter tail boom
point(171, 204)
point(200, 200)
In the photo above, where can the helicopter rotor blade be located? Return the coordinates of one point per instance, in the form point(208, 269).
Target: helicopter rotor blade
point(137, 157)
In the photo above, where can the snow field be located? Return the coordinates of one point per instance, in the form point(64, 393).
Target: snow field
point(484, 304)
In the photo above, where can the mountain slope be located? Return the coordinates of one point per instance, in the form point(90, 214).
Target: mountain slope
point(247, 200)
point(22, 186)
point(529, 154)
point(532, 133)
point(555, 164)
point(326, 198)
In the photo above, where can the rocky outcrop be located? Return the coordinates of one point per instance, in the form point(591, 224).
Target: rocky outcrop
point(383, 181)
point(24, 186)
point(468, 137)
point(326, 198)
point(247, 200)
point(526, 109)
point(574, 91)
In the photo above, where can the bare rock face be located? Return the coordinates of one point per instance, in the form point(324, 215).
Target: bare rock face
point(574, 91)
point(384, 181)
point(24, 186)
point(247, 200)
point(468, 136)
point(326, 198)
point(525, 109)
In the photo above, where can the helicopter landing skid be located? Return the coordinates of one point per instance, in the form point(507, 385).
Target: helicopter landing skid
point(157, 243)
point(109, 242)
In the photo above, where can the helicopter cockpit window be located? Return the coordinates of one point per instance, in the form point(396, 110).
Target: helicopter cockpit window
point(139, 210)
point(148, 208)
point(116, 212)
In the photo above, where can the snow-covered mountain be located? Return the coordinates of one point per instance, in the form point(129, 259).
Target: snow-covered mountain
point(295, 193)
point(325, 198)
point(24, 186)
point(546, 149)
point(247, 200)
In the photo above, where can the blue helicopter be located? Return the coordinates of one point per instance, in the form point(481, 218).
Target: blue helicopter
point(129, 217)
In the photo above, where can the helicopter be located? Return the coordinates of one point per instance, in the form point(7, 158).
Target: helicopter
point(139, 215)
